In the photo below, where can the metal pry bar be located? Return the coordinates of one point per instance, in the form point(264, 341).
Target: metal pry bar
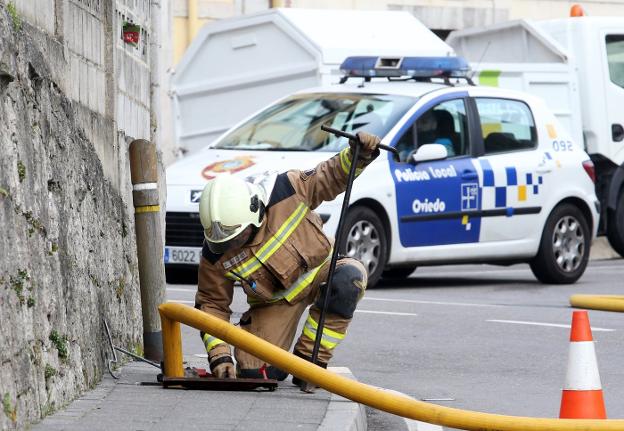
point(394, 151)
point(307, 387)
point(124, 351)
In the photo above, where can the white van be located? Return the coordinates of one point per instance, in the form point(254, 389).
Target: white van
point(577, 66)
point(238, 65)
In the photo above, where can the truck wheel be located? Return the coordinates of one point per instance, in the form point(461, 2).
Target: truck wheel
point(615, 225)
point(564, 247)
point(364, 239)
point(398, 273)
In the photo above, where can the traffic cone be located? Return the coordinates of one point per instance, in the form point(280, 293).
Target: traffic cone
point(582, 395)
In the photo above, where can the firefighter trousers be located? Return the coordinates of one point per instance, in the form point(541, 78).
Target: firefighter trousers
point(277, 322)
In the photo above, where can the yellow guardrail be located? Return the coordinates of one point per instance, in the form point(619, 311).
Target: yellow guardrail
point(598, 302)
point(173, 314)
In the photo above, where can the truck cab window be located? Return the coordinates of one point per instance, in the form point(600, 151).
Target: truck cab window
point(615, 58)
point(506, 125)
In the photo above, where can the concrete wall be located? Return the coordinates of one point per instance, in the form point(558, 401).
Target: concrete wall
point(72, 95)
point(161, 68)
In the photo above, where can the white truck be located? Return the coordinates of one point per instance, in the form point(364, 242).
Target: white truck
point(238, 65)
point(576, 65)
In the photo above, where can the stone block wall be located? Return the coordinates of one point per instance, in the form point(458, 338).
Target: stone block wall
point(72, 96)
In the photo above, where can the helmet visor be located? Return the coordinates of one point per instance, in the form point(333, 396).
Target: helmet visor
point(218, 232)
point(215, 236)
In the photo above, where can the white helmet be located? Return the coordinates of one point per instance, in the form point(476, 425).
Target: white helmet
point(227, 207)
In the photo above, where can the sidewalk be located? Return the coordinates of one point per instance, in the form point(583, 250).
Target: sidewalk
point(135, 402)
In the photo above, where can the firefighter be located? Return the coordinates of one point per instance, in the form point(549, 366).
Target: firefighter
point(267, 238)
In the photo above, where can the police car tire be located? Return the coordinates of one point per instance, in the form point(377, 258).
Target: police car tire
point(615, 225)
point(364, 214)
point(544, 266)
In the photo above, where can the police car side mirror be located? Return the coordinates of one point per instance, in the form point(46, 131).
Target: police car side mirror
point(429, 152)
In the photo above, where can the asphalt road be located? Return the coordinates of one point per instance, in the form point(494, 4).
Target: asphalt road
point(483, 338)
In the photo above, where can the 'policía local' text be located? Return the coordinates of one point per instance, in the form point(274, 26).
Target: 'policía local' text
point(409, 174)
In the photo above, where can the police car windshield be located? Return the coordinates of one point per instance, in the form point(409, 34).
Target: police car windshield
point(294, 124)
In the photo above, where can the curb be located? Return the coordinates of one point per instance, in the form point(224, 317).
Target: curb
point(342, 413)
point(600, 249)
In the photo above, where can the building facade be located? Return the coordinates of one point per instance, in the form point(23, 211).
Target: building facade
point(442, 16)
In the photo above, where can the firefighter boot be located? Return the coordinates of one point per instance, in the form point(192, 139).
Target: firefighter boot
point(296, 380)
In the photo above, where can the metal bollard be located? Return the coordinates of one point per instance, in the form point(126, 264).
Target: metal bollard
point(172, 339)
point(144, 174)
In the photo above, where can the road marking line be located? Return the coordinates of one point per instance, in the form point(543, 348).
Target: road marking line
point(614, 265)
point(455, 274)
point(414, 301)
point(555, 325)
point(413, 425)
point(179, 289)
point(394, 313)
point(339, 370)
point(180, 301)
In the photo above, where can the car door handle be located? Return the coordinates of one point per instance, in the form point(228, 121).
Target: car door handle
point(469, 175)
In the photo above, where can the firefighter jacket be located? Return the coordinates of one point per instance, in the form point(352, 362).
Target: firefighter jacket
point(287, 251)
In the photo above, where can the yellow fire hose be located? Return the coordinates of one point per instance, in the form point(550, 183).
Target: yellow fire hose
point(172, 313)
point(598, 302)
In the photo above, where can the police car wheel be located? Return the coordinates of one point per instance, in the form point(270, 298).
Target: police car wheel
point(615, 226)
point(564, 247)
point(364, 238)
point(398, 273)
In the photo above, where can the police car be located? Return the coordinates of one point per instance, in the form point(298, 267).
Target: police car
point(486, 175)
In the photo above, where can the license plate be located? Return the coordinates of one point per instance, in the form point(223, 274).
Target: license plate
point(189, 255)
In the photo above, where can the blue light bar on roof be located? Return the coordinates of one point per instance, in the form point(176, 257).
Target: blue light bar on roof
point(416, 67)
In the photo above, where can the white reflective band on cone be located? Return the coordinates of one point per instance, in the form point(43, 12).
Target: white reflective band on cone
point(582, 367)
